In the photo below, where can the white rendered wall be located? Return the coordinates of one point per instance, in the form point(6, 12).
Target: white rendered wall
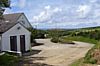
point(23, 20)
point(15, 32)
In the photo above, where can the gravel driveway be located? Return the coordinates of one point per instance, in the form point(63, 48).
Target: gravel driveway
point(55, 54)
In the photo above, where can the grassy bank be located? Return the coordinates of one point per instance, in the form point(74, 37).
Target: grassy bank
point(80, 62)
point(77, 63)
point(70, 39)
point(93, 55)
point(80, 38)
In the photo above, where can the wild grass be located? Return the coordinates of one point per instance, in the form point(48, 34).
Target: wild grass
point(78, 62)
point(8, 60)
point(89, 57)
point(61, 40)
point(80, 38)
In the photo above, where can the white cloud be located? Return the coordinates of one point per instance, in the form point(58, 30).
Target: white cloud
point(57, 9)
point(62, 15)
point(96, 13)
point(13, 4)
point(46, 14)
point(42, 16)
point(22, 3)
point(71, 23)
point(83, 10)
point(19, 3)
point(93, 1)
point(47, 7)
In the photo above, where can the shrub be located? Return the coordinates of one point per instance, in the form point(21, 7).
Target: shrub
point(65, 41)
point(97, 46)
point(89, 58)
point(61, 40)
point(55, 39)
point(93, 54)
point(93, 61)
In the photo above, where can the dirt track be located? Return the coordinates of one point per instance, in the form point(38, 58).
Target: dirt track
point(59, 54)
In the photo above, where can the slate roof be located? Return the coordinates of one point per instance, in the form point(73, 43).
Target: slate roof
point(8, 21)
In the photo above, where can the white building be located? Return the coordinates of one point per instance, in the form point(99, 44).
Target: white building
point(14, 35)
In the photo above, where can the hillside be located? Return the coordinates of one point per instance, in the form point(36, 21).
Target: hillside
point(93, 55)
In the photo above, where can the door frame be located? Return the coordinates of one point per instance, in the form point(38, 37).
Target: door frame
point(13, 43)
point(22, 43)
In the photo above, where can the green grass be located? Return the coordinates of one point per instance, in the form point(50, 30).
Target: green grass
point(80, 38)
point(55, 39)
point(88, 59)
point(61, 40)
point(77, 63)
point(80, 62)
point(65, 41)
point(97, 46)
point(8, 60)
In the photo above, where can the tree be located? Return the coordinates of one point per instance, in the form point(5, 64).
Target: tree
point(3, 4)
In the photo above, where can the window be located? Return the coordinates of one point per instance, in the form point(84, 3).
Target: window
point(23, 22)
point(19, 28)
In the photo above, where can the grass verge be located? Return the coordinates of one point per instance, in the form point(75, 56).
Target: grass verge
point(93, 55)
point(8, 60)
point(77, 63)
point(80, 38)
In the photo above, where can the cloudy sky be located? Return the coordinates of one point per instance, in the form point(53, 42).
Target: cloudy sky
point(59, 13)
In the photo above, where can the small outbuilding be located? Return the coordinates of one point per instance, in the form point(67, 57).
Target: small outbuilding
point(14, 33)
